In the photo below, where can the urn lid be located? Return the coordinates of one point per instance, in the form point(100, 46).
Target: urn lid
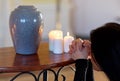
point(26, 7)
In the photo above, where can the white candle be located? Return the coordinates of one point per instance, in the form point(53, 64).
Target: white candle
point(51, 38)
point(67, 41)
point(56, 41)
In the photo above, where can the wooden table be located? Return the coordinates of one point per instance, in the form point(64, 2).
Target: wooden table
point(43, 60)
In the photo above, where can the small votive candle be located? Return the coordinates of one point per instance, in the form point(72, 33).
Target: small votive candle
point(67, 41)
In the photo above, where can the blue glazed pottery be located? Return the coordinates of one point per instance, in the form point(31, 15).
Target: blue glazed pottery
point(24, 23)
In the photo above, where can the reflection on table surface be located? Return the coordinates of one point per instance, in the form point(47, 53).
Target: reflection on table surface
point(43, 59)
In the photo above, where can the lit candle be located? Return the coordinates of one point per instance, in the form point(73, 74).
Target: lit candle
point(51, 38)
point(56, 41)
point(67, 41)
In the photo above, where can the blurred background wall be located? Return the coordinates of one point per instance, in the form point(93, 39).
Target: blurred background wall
point(48, 9)
point(78, 17)
point(90, 14)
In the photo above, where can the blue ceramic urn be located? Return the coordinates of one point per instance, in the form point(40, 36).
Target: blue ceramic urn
point(25, 27)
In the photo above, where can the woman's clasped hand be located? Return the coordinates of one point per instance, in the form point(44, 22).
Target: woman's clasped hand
point(80, 49)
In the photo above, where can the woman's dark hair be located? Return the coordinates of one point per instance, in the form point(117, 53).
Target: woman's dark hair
point(105, 45)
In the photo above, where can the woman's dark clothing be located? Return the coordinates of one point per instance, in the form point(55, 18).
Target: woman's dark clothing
point(84, 70)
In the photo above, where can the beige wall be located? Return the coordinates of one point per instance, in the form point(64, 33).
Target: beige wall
point(13, 3)
point(90, 14)
point(47, 7)
point(39, 1)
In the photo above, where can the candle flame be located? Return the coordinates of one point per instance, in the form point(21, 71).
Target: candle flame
point(67, 33)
